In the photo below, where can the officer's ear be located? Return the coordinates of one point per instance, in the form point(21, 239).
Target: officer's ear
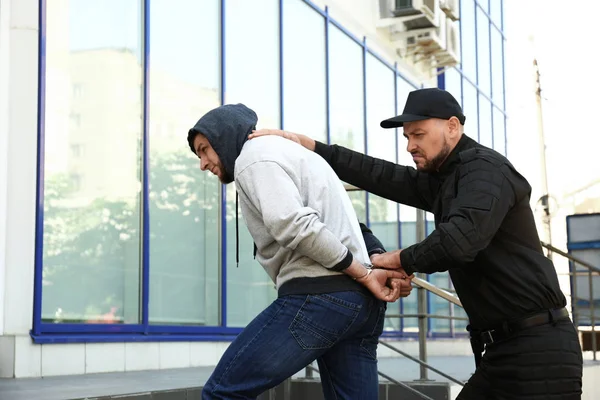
point(453, 127)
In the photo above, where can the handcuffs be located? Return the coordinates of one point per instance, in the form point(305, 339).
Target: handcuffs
point(369, 268)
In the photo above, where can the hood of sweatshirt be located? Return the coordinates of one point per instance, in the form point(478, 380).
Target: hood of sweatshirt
point(226, 128)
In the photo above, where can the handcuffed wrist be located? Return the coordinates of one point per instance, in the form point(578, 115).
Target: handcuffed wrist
point(367, 273)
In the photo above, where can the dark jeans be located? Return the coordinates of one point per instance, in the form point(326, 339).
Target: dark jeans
point(544, 362)
point(340, 330)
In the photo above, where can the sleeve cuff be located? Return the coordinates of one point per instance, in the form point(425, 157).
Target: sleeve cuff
point(322, 149)
point(407, 262)
point(345, 263)
point(376, 251)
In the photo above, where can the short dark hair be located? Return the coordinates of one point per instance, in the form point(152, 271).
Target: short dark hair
point(192, 133)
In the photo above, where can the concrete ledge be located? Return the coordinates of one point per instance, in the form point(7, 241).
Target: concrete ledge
point(299, 389)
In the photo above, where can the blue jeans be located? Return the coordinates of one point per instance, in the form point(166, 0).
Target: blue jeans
point(340, 330)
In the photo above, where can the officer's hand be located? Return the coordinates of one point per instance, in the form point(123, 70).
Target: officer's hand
point(404, 285)
point(389, 260)
point(376, 282)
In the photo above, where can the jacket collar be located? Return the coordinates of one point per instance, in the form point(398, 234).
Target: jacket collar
point(453, 159)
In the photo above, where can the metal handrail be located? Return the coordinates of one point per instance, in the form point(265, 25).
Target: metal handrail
point(437, 291)
point(571, 257)
point(439, 316)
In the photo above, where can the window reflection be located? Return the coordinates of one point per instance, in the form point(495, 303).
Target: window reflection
point(483, 52)
point(499, 132)
point(497, 68)
point(346, 91)
point(304, 101)
point(92, 158)
point(383, 214)
point(252, 78)
point(467, 37)
point(485, 122)
point(496, 12)
point(452, 81)
point(438, 305)
point(184, 202)
point(470, 110)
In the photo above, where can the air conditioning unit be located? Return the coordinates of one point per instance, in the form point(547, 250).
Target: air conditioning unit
point(450, 8)
point(401, 8)
point(424, 42)
point(450, 56)
point(439, 45)
point(416, 14)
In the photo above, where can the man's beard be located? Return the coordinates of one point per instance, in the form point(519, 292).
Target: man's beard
point(226, 178)
point(436, 162)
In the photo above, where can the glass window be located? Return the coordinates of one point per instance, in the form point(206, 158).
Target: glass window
point(252, 55)
point(452, 81)
point(483, 52)
point(383, 214)
point(408, 233)
point(497, 68)
point(381, 143)
point(184, 202)
point(499, 132)
point(460, 326)
point(408, 305)
point(470, 110)
point(496, 12)
point(467, 37)
point(484, 4)
point(438, 305)
point(408, 215)
point(346, 91)
point(380, 105)
point(304, 87)
point(485, 122)
point(91, 242)
point(346, 113)
point(252, 72)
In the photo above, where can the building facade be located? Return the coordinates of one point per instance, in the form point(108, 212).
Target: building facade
point(116, 253)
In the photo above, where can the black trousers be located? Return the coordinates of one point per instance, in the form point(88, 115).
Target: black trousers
point(544, 362)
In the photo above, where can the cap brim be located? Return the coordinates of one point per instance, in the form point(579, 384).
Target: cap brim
point(398, 121)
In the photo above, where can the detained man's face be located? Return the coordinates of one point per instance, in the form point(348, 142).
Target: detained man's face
point(209, 160)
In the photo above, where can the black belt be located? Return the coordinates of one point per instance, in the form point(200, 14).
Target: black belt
point(481, 338)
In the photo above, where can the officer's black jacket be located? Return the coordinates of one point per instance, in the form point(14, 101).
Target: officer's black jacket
point(485, 232)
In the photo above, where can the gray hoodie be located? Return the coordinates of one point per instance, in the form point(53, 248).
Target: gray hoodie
point(296, 208)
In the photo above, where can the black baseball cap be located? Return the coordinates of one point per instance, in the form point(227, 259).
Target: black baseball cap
point(425, 104)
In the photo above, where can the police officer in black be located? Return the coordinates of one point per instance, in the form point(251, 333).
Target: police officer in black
point(525, 345)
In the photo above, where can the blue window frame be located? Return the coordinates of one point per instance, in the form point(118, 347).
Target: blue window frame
point(145, 285)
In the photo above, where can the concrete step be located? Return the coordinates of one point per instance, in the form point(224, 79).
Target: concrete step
point(185, 383)
point(298, 389)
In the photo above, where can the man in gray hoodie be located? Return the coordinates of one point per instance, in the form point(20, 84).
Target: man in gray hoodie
point(331, 304)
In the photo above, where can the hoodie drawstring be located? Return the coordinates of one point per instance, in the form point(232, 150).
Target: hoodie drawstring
point(237, 235)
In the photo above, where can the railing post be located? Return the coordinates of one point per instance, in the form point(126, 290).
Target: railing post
point(574, 304)
point(592, 312)
point(308, 372)
point(287, 389)
point(422, 299)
